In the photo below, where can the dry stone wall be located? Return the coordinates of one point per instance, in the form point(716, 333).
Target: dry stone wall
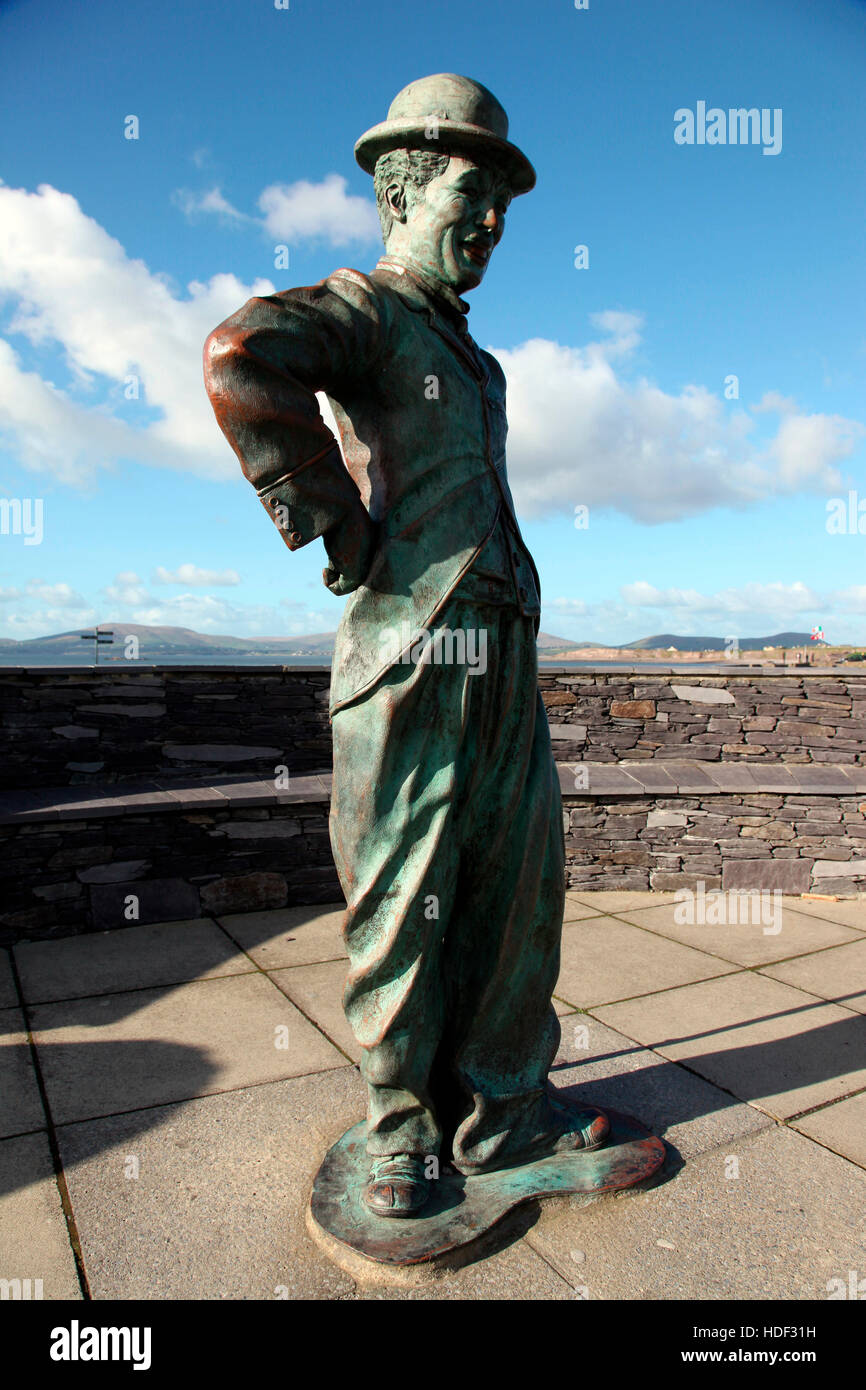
point(68, 727)
point(755, 717)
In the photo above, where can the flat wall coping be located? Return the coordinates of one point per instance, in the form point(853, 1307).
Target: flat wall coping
point(95, 802)
point(132, 669)
point(639, 779)
point(689, 778)
point(693, 669)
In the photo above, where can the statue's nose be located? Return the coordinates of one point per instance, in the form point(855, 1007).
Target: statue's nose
point(492, 222)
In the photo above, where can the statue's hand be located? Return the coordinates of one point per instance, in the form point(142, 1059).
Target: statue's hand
point(350, 546)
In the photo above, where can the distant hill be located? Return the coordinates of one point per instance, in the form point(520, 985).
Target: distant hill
point(546, 639)
point(717, 644)
point(157, 644)
point(183, 645)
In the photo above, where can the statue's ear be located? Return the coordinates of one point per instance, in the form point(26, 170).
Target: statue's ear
point(395, 198)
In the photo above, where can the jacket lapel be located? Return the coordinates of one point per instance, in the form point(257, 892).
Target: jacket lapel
point(464, 350)
point(413, 294)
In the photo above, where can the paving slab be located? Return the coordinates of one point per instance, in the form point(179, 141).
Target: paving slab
point(20, 1102)
point(288, 936)
point(605, 1068)
point(604, 959)
point(765, 1042)
point(838, 974)
point(840, 1127)
point(515, 1273)
point(792, 1221)
point(851, 912)
point(34, 1243)
point(8, 992)
point(318, 992)
point(119, 1052)
point(575, 908)
point(163, 953)
point(764, 936)
point(620, 899)
point(217, 1208)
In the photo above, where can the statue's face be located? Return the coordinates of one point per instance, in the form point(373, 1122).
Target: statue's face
point(451, 231)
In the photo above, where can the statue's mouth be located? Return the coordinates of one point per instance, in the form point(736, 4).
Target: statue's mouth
point(477, 251)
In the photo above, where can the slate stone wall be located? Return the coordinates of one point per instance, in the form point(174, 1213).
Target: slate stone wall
point(737, 781)
point(798, 844)
point(755, 717)
point(65, 727)
point(63, 877)
point(62, 727)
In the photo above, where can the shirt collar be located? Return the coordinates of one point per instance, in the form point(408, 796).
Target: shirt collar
point(443, 297)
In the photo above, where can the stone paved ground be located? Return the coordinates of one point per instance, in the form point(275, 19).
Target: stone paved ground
point(167, 1092)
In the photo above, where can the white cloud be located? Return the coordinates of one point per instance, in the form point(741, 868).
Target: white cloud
point(129, 600)
point(579, 433)
point(60, 595)
point(40, 622)
point(42, 609)
point(574, 607)
point(127, 588)
point(210, 614)
point(774, 401)
point(807, 446)
point(750, 609)
point(853, 598)
point(783, 599)
point(213, 201)
point(114, 319)
point(623, 331)
point(325, 210)
point(293, 212)
point(194, 575)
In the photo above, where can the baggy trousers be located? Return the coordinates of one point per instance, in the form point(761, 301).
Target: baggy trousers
point(446, 828)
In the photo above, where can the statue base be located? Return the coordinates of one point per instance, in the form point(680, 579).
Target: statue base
point(449, 1230)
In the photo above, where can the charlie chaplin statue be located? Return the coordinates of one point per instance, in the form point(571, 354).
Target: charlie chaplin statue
point(446, 818)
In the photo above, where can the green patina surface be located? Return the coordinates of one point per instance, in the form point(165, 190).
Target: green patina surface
point(446, 818)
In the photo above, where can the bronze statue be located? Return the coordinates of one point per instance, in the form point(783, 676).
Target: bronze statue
point(446, 819)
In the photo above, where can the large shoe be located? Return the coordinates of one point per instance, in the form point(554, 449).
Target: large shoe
point(587, 1129)
point(397, 1185)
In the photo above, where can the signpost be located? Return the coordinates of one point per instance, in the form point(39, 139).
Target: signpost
point(98, 639)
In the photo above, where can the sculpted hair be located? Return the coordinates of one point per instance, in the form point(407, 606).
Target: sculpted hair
point(411, 168)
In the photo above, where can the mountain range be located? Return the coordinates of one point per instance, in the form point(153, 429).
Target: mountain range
point(179, 644)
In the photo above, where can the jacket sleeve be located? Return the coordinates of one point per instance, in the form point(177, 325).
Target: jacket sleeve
point(262, 368)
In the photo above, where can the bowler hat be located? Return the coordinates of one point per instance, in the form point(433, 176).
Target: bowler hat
point(447, 112)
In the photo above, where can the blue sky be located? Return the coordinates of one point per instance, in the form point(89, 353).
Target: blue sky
point(707, 514)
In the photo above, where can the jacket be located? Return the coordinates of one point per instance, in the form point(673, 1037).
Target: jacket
point(421, 414)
